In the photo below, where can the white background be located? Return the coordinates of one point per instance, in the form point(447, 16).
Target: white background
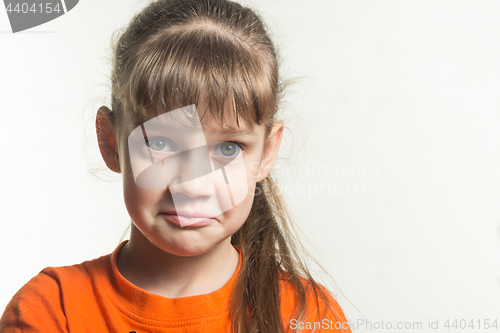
point(398, 100)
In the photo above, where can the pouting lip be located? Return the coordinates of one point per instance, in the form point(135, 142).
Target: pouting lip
point(188, 214)
point(187, 221)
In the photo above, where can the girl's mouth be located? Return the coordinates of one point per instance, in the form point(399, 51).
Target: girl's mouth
point(187, 219)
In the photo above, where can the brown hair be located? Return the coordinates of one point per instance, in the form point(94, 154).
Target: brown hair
point(175, 52)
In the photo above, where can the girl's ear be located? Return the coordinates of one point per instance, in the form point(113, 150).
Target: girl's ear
point(106, 139)
point(271, 147)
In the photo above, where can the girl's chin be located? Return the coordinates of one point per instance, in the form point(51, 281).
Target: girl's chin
point(186, 245)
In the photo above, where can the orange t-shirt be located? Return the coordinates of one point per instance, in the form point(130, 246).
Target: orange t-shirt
point(94, 297)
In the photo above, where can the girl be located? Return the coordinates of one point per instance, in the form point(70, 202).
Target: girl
point(192, 129)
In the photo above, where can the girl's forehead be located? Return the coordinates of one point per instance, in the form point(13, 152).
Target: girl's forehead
point(189, 117)
point(230, 125)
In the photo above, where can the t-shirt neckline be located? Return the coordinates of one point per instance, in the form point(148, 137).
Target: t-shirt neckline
point(140, 304)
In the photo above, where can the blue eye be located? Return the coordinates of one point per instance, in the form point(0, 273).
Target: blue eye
point(159, 144)
point(228, 149)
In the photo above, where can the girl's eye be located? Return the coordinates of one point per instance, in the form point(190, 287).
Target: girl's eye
point(228, 149)
point(160, 144)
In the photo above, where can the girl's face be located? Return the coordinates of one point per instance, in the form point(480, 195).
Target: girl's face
point(191, 212)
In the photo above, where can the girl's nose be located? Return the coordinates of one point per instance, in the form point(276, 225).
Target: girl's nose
point(191, 174)
point(198, 187)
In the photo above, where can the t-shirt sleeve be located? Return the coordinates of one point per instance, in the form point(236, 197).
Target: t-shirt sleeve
point(332, 317)
point(36, 307)
point(322, 315)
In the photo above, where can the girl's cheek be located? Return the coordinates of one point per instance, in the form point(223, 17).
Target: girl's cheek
point(252, 170)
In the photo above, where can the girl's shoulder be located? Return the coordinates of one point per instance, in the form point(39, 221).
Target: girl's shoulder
point(44, 300)
point(322, 309)
point(73, 277)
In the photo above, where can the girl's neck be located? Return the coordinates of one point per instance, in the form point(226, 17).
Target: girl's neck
point(162, 273)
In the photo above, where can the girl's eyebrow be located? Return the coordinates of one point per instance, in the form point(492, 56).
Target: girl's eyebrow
point(232, 132)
